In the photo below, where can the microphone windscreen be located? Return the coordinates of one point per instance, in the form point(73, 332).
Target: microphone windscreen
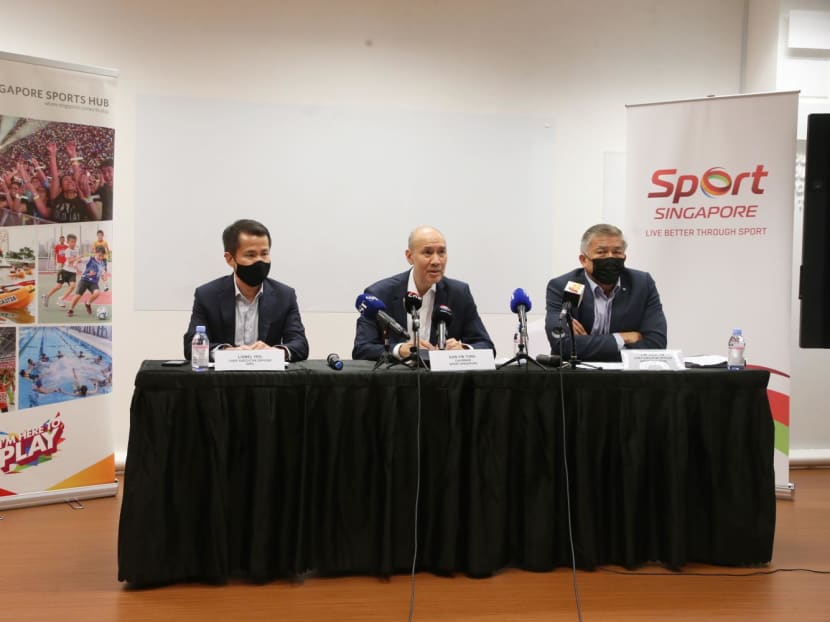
point(444, 314)
point(573, 293)
point(412, 301)
point(518, 299)
point(368, 305)
point(360, 303)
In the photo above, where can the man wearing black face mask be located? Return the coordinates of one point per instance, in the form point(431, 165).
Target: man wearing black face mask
point(620, 306)
point(246, 310)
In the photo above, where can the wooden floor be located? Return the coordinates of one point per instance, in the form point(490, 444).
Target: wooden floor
point(60, 564)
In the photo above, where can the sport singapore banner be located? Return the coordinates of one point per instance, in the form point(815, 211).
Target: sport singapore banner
point(56, 281)
point(709, 211)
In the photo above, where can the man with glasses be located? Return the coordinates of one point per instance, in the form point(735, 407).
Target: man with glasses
point(620, 307)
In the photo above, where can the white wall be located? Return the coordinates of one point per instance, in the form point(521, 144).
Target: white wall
point(576, 63)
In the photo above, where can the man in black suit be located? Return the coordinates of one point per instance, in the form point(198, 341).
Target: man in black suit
point(620, 306)
point(427, 254)
point(246, 310)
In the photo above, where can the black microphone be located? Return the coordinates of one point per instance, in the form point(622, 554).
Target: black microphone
point(372, 307)
point(444, 315)
point(334, 361)
point(412, 302)
point(571, 298)
point(551, 360)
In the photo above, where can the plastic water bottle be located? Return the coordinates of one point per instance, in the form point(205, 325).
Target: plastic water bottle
point(200, 350)
point(735, 356)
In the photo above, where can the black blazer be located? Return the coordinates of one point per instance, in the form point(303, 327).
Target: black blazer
point(636, 307)
point(280, 323)
point(466, 325)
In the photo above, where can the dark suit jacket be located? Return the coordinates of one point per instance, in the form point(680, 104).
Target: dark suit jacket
point(636, 307)
point(214, 306)
point(466, 325)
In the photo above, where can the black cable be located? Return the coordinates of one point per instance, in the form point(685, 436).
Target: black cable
point(568, 496)
point(418, 372)
point(683, 573)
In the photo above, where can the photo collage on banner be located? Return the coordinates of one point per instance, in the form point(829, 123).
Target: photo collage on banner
point(57, 277)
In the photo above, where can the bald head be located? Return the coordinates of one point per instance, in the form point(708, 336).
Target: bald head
point(427, 254)
point(421, 232)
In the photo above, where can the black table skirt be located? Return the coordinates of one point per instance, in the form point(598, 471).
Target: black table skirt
point(263, 475)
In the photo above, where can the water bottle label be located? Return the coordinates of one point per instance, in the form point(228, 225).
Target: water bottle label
point(200, 356)
point(735, 358)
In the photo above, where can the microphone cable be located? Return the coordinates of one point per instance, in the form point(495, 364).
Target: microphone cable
point(568, 496)
point(418, 371)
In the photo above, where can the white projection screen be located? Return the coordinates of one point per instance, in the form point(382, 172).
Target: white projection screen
point(339, 188)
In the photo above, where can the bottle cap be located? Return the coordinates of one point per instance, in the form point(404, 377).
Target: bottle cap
point(200, 329)
point(737, 331)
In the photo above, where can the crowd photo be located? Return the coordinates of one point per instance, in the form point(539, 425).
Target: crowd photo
point(54, 172)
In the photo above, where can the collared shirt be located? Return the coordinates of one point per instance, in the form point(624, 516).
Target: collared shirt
point(247, 318)
point(603, 305)
point(246, 327)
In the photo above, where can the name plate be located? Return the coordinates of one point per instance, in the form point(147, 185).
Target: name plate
point(461, 360)
point(659, 360)
point(249, 360)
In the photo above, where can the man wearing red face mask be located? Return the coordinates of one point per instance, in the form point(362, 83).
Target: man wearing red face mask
point(246, 310)
point(620, 307)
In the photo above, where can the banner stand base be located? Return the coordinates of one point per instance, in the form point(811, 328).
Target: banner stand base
point(785, 491)
point(27, 499)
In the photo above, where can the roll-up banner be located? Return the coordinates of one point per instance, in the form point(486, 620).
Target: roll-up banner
point(709, 212)
point(57, 277)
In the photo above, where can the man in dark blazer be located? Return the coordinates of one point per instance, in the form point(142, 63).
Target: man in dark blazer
point(620, 306)
point(427, 254)
point(246, 310)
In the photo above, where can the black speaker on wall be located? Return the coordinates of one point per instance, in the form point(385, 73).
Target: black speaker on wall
point(814, 282)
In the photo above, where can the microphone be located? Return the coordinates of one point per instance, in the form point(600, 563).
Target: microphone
point(444, 315)
point(551, 360)
point(333, 361)
point(372, 307)
point(520, 303)
point(412, 302)
point(571, 298)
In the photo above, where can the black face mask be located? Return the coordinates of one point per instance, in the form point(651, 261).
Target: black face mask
point(253, 274)
point(607, 270)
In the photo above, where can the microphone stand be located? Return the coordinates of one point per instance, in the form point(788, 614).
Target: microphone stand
point(573, 362)
point(442, 335)
point(387, 358)
point(415, 356)
point(521, 351)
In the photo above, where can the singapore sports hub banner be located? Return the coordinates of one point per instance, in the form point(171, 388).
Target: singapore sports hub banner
point(56, 281)
point(709, 212)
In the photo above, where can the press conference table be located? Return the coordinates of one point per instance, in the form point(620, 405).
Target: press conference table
point(259, 475)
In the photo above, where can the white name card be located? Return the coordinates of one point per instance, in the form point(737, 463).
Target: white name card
point(461, 360)
point(249, 360)
point(645, 360)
